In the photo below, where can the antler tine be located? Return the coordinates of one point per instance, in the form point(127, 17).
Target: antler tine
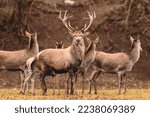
point(70, 26)
point(65, 13)
point(92, 16)
point(83, 27)
point(64, 20)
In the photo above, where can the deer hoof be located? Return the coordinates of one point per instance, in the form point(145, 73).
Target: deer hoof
point(33, 93)
point(21, 93)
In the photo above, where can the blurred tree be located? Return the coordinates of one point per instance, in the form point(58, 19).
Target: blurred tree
point(14, 16)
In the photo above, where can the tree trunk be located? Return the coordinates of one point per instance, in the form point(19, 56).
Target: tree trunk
point(14, 15)
point(20, 16)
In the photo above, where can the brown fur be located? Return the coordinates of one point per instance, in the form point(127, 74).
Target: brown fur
point(119, 63)
point(56, 61)
point(16, 60)
point(89, 57)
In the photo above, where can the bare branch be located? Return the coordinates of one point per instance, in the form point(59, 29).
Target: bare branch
point(128, 15)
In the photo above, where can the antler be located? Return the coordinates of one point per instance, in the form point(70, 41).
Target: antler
point(28, 34)
point(64, 21)
point(92, 16)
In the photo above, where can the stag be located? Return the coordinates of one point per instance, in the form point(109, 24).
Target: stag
point(15, 60)
point(118, 63)
point(66, 60)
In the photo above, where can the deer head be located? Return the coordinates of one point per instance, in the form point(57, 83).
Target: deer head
point(31, 35)
point(59, 45)
point(77, 35)
point(32, 40)
point(135, 42)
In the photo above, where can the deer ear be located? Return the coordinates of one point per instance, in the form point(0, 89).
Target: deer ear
point(56, 43)
point(62, 43)
point(28, 34)
point(86, 34)
point(96, 40)
point(88, 40)
point(131, 39)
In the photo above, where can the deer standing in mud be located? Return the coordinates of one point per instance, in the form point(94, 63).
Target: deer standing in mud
point(119, 63)
point(15, 60)
point(67, 60)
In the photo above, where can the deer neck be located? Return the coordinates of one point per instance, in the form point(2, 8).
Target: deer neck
point(90, 48)
point(78, 51)
point(89, 56)
point(135, 54)
point(33, 46)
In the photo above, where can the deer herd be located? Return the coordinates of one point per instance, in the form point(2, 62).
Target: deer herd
point(73, 60)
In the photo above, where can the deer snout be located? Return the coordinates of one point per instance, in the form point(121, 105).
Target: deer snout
point(78, 40)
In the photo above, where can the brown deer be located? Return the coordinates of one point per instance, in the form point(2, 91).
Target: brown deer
point(15, 60)
point(67, 60)
point(29, 71)
point(89, 57)
point(56, 81)
point(119, 63)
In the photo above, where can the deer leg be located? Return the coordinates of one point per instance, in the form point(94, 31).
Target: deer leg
point(33, 85)
point(22, 80)
point(90, 84)
point(23, 74)
point(90, 81)
point(120, 82)
point(75, 82)
point(43, 84)
point(54, 84)
point(58, 84)
point(71, 87)
point(125, 85)
point(67, 85)
point(27, 86)
point(94, 81)
point(29, 76)
point(83, 76)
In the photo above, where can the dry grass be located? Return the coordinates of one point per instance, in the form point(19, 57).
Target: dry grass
point(106, 94)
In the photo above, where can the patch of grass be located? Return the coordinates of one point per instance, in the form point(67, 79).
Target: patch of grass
point(104, 94)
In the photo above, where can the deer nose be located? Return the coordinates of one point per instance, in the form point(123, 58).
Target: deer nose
point(78, 40)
